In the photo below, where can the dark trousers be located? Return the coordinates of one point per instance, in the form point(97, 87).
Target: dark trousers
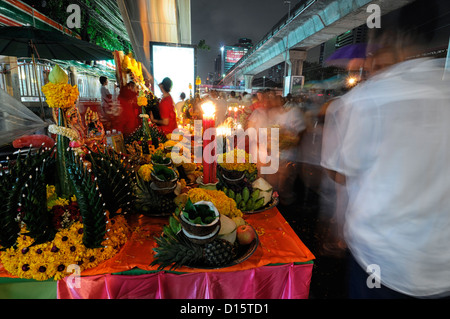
point(358, 289)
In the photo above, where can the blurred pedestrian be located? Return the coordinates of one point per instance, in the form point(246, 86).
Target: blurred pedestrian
point(261, 100)
point(128, 122)
point(221, 107)
point(387, 141)
point(106, 98)
point(232, 101)
point(179, 106)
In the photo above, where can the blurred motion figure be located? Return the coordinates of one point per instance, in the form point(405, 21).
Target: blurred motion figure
point(387, 141)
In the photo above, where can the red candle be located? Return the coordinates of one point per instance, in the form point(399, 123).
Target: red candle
point(213, 173)
point(208, 123)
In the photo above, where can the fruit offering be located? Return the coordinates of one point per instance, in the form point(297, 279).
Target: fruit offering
point(177, 248)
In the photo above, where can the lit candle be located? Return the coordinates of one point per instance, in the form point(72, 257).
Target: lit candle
point(209, 166)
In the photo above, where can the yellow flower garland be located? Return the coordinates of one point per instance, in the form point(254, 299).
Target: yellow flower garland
point(51, 259)
point(60, 95)
point(223, 203)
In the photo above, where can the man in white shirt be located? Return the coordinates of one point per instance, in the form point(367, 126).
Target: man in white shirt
point(387, 140)
point(106, 97)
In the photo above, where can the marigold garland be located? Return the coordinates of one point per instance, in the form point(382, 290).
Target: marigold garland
point(223, 203)
point(60, 95)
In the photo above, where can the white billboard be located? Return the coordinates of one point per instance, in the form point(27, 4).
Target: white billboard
point(176, 61)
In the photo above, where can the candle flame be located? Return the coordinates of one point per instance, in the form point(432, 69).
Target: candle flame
point(209, 109)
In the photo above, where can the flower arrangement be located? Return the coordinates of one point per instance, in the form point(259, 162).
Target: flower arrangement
point(52, 259)
point(221, 201)
point(145, 172)
point(60, 95)
point(142, 100)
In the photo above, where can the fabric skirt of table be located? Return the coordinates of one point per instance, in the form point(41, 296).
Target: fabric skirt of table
point(286, 281)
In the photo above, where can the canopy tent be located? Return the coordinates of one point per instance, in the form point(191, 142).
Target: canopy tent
point(155, 21)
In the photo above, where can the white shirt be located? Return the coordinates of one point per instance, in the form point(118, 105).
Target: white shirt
point(105, 93)
point(292, 121)
point(390, 137)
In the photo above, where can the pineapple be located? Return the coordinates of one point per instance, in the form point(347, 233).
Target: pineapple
point(177, 250)
point(219, 252)
point(148, 202)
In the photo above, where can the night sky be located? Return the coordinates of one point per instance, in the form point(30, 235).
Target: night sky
point(221, 22)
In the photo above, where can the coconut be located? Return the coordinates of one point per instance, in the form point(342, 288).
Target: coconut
point(227, 229)
point(265, 189)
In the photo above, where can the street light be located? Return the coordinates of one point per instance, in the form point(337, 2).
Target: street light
point(222, 62)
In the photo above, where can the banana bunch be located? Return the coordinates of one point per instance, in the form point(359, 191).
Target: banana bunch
point(245, 200)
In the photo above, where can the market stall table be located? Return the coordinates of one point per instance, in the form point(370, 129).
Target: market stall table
point(280, 268)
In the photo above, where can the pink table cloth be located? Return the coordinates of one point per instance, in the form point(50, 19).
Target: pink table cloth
point(286, 281)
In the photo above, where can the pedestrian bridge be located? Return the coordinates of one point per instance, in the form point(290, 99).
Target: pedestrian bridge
point(308, 24)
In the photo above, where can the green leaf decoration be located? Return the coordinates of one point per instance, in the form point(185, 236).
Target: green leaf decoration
point(115, 180)
point(163, 173)
point(62, 144)
point(37, 218)
point(154, 132)
point(198, 214)
point(89, 201)
point(20, 197)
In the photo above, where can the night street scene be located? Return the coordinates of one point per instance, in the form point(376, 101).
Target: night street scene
point(226, 156)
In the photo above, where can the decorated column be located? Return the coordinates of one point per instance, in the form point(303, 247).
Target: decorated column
point(60, 96)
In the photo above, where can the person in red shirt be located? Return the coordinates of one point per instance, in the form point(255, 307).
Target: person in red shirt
point(127, 123)
point(168, 121)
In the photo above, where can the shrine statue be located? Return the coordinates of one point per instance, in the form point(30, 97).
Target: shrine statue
point(95, 130)
point(73, 119)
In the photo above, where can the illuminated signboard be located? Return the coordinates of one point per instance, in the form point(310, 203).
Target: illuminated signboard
point(232, 56)
point(176, 61)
